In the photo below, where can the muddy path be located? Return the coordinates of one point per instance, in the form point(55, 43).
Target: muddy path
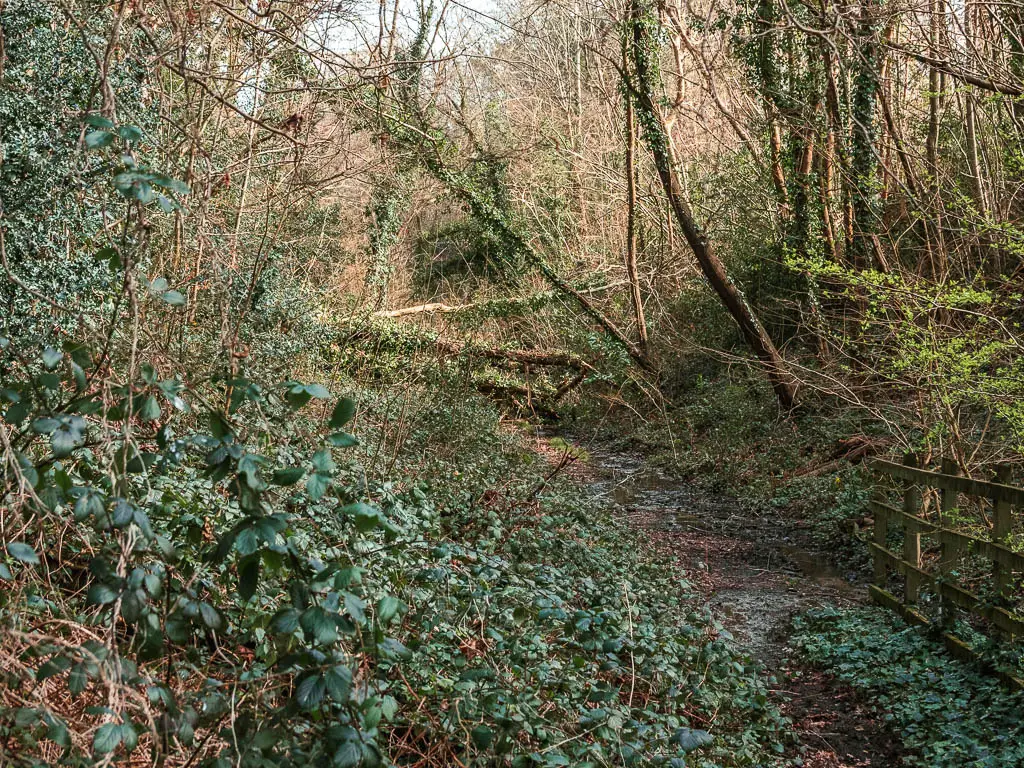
point(754, 570)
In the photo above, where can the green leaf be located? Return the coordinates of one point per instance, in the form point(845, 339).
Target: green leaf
point(390, 648)
point(366, 517)
point(210, 616)
point(63, 442)
point(51, 357)
point(19, 550)
point(78, 679)
point(45, 426)
point(690, 739)
point(130, 133)
point(388, 608)
point(288, 475)
point(317, 485)
point(98, 139)
point(150, 410)
point(70, 435)
point(323, 462)
point(248, 576)
point(98, 121)
point(372, 714)
point(343, 413)
point(107, 738)
point(338, 681)
point(342, 440)
point(348, 755)
point(52, 667)
point(318, 391)
point(310, 691)
point(129, 737)
point(174, 298)
point(16, 413)
point(355, 607)
point(482, 736)
point(219, 427)
point(285, 621)
point(101, 594)
point(297, 396)
point(57, 731)
point(174, 185)
point(319, 624)
point(79, 375)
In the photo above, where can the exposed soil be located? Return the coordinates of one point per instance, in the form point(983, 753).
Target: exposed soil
point(753, 570)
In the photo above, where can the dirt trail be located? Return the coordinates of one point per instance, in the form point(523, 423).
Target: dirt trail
point(751, 569)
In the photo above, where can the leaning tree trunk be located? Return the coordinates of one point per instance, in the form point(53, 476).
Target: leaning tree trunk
point(643, 50)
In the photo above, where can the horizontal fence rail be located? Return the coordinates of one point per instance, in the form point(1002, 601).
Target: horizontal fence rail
point(953, 545)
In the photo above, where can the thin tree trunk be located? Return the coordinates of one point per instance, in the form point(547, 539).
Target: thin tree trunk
point(971, 119)
point(778, 174)
point(864, 152)
point(714, 270)
point(631, 267)
point(932, 143)
point(936, 251)
point(833, 150)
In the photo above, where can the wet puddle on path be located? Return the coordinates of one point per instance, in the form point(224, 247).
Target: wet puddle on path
point(747, 563)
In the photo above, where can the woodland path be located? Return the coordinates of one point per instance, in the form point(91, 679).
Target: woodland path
point(752, 568)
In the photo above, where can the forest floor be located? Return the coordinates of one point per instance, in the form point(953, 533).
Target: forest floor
point(755, 570)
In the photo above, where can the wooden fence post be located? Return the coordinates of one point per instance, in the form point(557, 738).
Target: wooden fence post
point(881, 534)
point(1007, 563)
point(949, 553)
point(1002, 523)
point(911, 535)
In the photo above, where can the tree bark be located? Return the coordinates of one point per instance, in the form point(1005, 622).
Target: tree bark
point(663, 152)
point(632, 273)
point(864, 152)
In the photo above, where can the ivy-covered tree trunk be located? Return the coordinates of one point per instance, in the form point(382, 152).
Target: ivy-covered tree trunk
point(388, 202)
point(642, 30)
point(768, 75)
point(864, 153)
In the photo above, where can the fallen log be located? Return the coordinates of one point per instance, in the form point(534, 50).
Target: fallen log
point(522, 356)
point(421, 308)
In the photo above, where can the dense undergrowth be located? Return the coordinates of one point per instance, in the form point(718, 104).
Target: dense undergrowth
point(248, 586)
point(253, 508)
point(725, 433)
point(948, 714)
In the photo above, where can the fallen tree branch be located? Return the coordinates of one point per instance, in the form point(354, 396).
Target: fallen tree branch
point(441, 307)
point(421, 308)
point(523, 356)
point(1007, 89)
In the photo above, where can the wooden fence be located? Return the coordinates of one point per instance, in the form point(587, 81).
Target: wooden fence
point(1006, 565)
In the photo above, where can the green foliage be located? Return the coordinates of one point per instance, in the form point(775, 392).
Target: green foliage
point(388, 203)
point(53, 208)
point(947, 714)
point(952, 343)
point(508, 632)
point(135, 481)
